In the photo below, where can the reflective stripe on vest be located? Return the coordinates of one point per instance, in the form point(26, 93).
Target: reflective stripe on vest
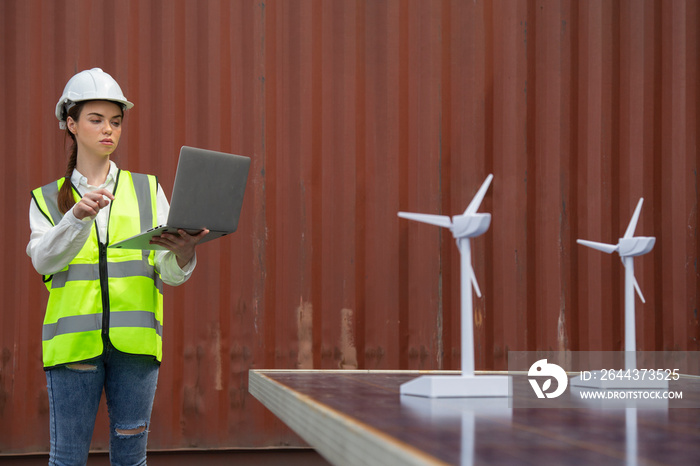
point(92, 272)
point(76, 311)
point(90, 322)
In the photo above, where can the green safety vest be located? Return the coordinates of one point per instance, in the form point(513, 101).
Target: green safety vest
point(114, 292)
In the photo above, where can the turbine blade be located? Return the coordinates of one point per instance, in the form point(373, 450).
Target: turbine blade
point(607, 248)
point(639, 290)
point(635, 217)
point(439, 220)
point(473, 280)
point(476, 202)
point(636, 284)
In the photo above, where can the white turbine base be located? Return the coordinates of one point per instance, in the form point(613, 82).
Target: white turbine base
point(457, 386)
point(596, 382)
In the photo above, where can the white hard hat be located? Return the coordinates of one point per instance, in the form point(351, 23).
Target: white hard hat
point(92, 84)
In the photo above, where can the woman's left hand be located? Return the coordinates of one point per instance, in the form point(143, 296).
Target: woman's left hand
point(182, 244)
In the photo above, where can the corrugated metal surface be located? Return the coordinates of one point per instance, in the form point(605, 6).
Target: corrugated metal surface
point(351, 111)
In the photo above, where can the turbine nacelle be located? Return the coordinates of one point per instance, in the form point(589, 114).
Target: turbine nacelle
point(470, 225)
point(636, 246)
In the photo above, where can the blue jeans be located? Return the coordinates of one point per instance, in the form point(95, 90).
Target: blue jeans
point(129, 383)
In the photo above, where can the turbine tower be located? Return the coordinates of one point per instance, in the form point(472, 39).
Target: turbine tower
point(468, 225)
point(628, 247)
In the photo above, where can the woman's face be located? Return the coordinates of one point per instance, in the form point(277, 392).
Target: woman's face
point(98, 128)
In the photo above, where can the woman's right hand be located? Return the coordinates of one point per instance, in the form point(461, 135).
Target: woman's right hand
point(91, 203)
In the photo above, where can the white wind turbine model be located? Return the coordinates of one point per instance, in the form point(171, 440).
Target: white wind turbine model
point(468, 225)
point(628, 247)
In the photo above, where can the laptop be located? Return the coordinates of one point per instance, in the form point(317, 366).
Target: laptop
point(208, 193)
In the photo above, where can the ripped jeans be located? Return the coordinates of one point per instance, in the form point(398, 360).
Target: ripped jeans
point(75, 390)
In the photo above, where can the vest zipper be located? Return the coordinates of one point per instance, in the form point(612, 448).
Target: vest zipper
point(104, 287)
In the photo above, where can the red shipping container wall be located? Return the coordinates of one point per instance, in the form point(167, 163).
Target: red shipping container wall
point(352, 111)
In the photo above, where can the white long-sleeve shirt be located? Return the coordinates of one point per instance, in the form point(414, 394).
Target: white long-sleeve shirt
point(53, 247)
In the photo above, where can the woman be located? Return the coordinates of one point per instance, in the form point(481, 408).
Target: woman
point(103, 322)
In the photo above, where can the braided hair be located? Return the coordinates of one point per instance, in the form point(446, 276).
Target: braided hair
point(65, 194)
